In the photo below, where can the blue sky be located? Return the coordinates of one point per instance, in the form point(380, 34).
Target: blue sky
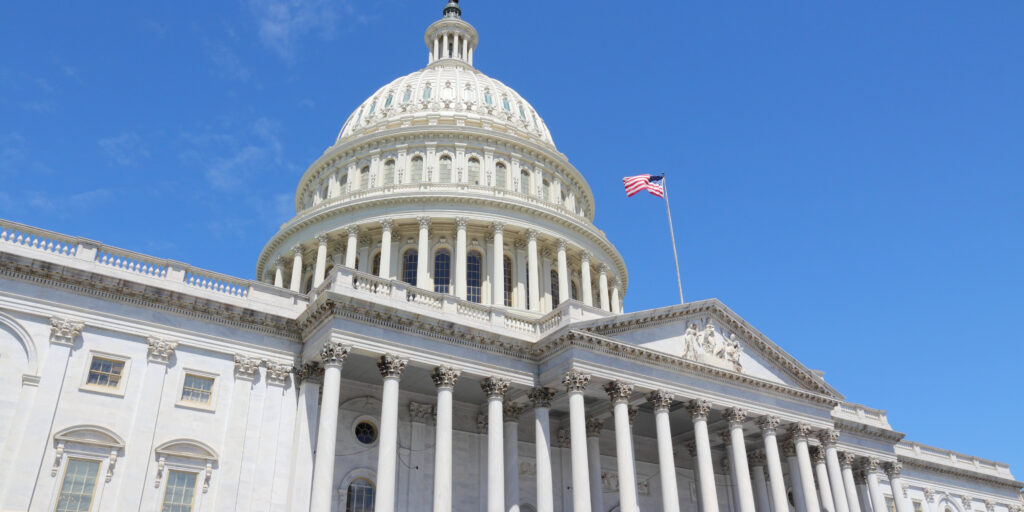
point(847, 177)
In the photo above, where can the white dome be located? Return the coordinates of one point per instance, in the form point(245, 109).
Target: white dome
point(447, 89)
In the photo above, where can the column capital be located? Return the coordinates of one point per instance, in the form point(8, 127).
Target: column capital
point(871, 465)
point(531, 235)
point(691, 446)
point(632, 411)
point(758, 458)
point(519, 244)
point(564, 438)
point(246, 367)
point(498, 227)
point(799, 431)
point(311, 372)
point(575, 381)
point(562, 244)
point(352, 230)
point(63, 331)
point(602, 269)
point(365, 241)
point(966, 501)
point(618, 391)
point(545, 253)
point(334, 353)
point(724, 435)
point(421, 413)
point(769, 424)
point(818, 454)
point(828, 437)
point(594, 427)
point(278, 373)
point(699, 408)
point(787, 447)
point(423, 221)
point(541, 397)
point(445, 376)
point(735, 416)
point(511, 411)
point(893, 469)
point(929, 493)
point(847, 460)
point(495, 387)
point(322, 239)
point(160, 350)
point(990, 505)
point(391, 366)
point(585, 257)
point(297, 251)
point(387, 224)
point(279, 262)
point(660, 399)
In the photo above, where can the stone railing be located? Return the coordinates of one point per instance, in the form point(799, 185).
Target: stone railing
point(130, 261)
point(39, 239)
point(219, 283)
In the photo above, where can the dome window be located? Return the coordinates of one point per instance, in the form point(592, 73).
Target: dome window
point(507, 266)
point(364, 177)
point(407, 96)
point(387, 102)
point(417, 169)
point(389, 173)
point(409, 261)
point(426, 92)
point(474, 276)
point(474, 171)
point(555, 299)
point(522, 113)
point(445, 169)
point(504, 103)
point(524, 181)
point(499, 175)
point(488, 99)
point(373, 106)
point(442, 271)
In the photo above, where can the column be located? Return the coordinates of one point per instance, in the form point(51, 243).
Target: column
point(279, 273)
point(588, 293)
point(594, 427)
point(699, 410)
point(615, 297)
point(846, 461)
point(661, 401)
point(827, 502)
point(332, 357)
point(862, 488)
point(352, 249)
point(789, 451)
point(311, 377)
point(495, 389)
point(510, 416)
point(444, 380)
point(563, 273)
point(386, 226)
point(745, 490)
point(757, 463)
point(619, 393)
point(773, 463)
point(799, 432)
point(532, 270)
point(459, 277)
point(444, 47)
point(541, 398)
point(872, 472)
point(321, 260)
point(390, 366)
point(499, 264)
point(296, 269)
point(691, 447)
point(929, 501)
point(893, 470)
point(423, 252)
point(602, 283)
point(575, 383)
point(829, 438)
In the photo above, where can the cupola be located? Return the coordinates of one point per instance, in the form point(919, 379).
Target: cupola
point(450, 39)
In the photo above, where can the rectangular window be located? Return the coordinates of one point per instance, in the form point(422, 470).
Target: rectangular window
point(890, 505)
point(180, 493)
point(197, 389)
point(78, 486)
point(105, 372)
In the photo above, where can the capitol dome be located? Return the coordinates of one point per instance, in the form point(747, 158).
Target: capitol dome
point(449, 181)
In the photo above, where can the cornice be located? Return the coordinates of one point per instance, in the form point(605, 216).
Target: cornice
point(853, 427)
point(959, 473)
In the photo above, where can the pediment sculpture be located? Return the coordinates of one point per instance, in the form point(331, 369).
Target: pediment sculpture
point(707, 346)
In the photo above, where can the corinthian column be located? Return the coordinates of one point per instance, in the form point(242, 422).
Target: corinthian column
point(768, 425)
point(279, 273)
point(594, 427)
point(846, 461)
point(661, 401)
point(586, 290)
point(799, 432)
point(386, 226)
point(296, 269)
point(893, 470)
point(761, 499)
point(699, 410)
point(563, 273)
point(829, 438)
point(444, 380)
point(321, 260)
point(789, 451)
point(498, 285)
point(872, 472)
point(735, 416)
point(619, 393)
point(333, 356)
point(423, 252)
point(510, 416)
point(460, 257)
point(575, 383)
point(391, 367)
point(495, 389)
point(602, 283)
point(533, 270)
point(541, 398)
point(352, 247)
point(827, 502)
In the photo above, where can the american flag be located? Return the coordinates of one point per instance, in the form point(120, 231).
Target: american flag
point(647, 182)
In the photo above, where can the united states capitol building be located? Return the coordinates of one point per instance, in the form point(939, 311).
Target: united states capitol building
point(439, 328)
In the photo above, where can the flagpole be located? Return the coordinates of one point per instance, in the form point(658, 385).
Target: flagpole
point(672, 233)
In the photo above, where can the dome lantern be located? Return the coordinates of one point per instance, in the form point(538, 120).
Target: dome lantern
point(450, 39)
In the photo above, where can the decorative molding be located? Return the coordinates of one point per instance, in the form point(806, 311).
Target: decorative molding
point(735, 416)
point(660, 400)
point(818, 455)
point(893, 469)
point(594, 426)
point(800, 431)
point(575, 381)
point(391, 366)
point(847, 460)
point(564, 438)
point(63, 331)
point(334, 353)
point(246, 367)
point(495, 387)
point(421, 413)
point(511, 411)
point(618, 391)
point(160, 350)
point(829, 437)
point(769, 424)
point(311, 372)
point(444, 377)
point(541, 397)
point(278, 373)
point(699, 408)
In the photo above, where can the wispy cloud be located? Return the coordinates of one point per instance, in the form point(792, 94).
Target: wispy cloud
point(57, 203)
point(15, 157)
point(226, 63)
point(281, 23)
point(125, 149)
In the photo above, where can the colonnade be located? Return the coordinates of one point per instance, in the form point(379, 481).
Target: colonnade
point(754, 490)
point(532, 259)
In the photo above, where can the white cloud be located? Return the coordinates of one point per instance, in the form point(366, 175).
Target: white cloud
point(282, 22)
point(125, 149)
point(247, 155)
point(15, 158)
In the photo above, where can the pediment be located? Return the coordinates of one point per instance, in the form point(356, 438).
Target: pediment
point(187, 448)
point(91, 435)
point(710, 334)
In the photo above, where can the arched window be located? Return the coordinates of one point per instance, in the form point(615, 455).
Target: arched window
point(389, 173)
point(324, 191)
point(364, 177)
point(526, 285)
point(416, 175)
point(445, 169)
point(524, 181)
point(574, 291)
point(442, 271)
point(343, 182)
point(426, 92)
point(545, 190)
point(360, 496)
point(474, 171)
point(554, 289)
point(409, 260)
point(474, 276)
point(564, 198)
point(499, 175)
point(375, 268)
point(507, 265)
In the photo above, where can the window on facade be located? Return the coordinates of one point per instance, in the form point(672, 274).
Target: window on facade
point(387, 102)
point(197, 389)
point(918, 506)
point(426, 92)
point(526, 284)
point(445, 169)
point(373, 106)
point(105, 372)
point(507, 271)
point(504, 103)
point(375, 267)
point(564, 198)
point(343, 182)
point(574, 291)
point(407, 96)
point(488, 99)
point(499, 175)
point(890, 505)
point(474, 276)
point(366, 432)
point(416, 174)
point(324, 191)
point(180, 493)
point(522, 113)
point(409, 267)
point(364, 177)
point(442, 271)
point(78, 486)
point(389, 172)
point(474, 171)
point(524, 181)
point(546, 190)
point(360, 496)
point(554, 289)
